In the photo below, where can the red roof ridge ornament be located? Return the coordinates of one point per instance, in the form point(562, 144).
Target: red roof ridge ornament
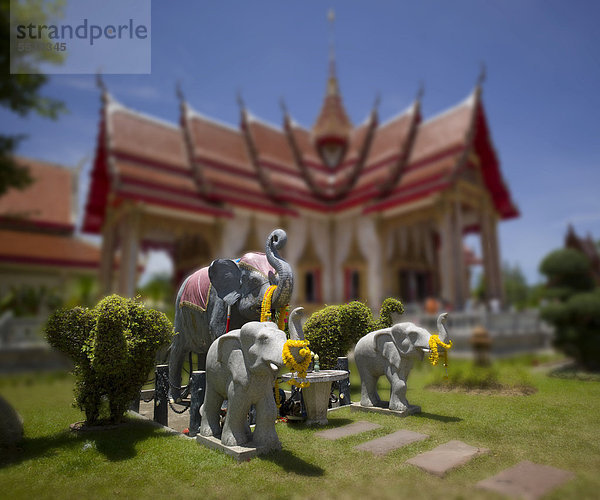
point(332, 128)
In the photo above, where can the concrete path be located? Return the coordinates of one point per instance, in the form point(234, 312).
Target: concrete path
point(526, 480)
point(385, 444)
point(445, 457)
point(348, 430)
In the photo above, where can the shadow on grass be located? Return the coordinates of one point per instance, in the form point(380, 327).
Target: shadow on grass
point(115, 444)
point(439, 418)
point(291, 463)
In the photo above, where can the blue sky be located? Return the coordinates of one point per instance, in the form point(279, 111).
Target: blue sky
point(542, 92)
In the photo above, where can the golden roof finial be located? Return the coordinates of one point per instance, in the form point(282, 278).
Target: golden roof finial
point(331, 19)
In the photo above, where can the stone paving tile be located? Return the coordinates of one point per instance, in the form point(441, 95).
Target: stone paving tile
point(385, 444)
point(348, 430)
point(445, 457)
point(526, 480)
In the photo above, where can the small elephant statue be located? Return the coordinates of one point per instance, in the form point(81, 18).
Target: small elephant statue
point(391, 352)
point(241, 366)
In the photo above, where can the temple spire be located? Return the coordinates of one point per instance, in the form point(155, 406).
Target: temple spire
point(332, 87)
point(332, 127)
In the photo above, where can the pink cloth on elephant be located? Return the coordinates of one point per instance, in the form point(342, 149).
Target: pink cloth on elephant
point(258, 261)
point(197, 288)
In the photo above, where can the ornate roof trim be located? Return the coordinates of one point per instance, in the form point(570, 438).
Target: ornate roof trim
point(399, 166)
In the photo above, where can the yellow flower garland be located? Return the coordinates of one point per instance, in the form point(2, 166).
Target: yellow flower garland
point(265, 310)
point(277, 400)
point(290, 361)
point(283, 316)
point(434, 340)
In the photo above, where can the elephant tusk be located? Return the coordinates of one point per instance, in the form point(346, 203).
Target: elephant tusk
point(274, 367)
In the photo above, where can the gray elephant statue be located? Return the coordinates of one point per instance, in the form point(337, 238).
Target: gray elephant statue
point(241, 366)
point(391, 352)
point(238, 285)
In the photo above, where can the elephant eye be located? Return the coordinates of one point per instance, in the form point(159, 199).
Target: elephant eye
point(263, 339)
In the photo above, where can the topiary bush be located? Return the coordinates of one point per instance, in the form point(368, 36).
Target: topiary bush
point(334, 330)
point(113, 347)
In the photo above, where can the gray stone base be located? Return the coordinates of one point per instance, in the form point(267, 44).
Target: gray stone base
point(240, 453)
point(412, 410)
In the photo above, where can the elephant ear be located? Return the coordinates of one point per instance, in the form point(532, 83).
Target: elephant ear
point(390, 350)
point(405, 337)
point(229, 351)
point(225, 277)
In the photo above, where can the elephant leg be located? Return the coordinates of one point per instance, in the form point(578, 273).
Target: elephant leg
point(177, 356)
point(210, 411)
point(266, 413)
point(236, 421)
point(368, 389)
point(398, 400)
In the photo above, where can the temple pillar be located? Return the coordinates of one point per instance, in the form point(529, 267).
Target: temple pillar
point(130, 243)
point(491, 257)
point(458, 258)
point(446, 268)
point(107, 259)
point(496, 262)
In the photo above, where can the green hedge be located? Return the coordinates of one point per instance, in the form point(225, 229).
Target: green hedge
point(113, 347)
point(334, 330)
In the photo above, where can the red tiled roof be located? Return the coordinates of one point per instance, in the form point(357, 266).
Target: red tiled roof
point(47, 249)
point(255, 167)
point(158, 177)
point(47, 201)
point(140, 136)
point(443, 132)
point(218, 143)
point(389, 138)
point(271, 144)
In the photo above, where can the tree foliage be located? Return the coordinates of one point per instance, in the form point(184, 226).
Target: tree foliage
point(574, 309)
point(113, 347)
point(567, 271)
point(20, 93)
point(334, 330)
point(516, 290)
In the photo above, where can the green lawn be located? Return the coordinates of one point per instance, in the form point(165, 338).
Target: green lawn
point(557, 426)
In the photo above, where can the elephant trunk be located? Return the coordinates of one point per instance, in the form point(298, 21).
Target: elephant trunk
point(295, 324)
point(285, 277)
point(442, 332)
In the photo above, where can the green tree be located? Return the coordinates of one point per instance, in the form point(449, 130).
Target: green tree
point(159, 289)
point(20, 93)
point(516, 290)
point(567, 271)
point(575, 306)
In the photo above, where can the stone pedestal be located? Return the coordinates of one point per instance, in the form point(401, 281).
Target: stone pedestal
point(316, 395)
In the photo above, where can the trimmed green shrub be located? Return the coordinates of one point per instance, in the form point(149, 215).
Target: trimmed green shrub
point(113, 347)
point(334, 330)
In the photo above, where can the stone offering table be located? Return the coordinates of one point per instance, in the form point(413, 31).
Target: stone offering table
point(316, 395)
